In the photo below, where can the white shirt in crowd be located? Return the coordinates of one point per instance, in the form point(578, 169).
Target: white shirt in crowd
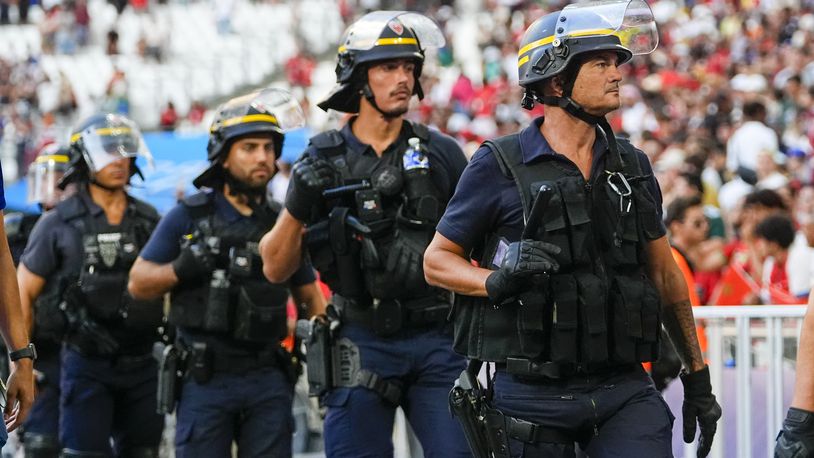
point(746, 142)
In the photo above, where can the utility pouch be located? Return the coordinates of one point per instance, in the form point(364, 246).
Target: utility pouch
point(103, 293)
point(369, 205)
point(626, 298)
point(594, 334)
point(240, 263)
point(319, 350)
point(256, 323)
point(216, 317)
point(200, 363)
point(565, 303)
point(387, 316)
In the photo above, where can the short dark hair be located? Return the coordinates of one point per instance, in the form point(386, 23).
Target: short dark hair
point(764, 198)
point(754, 110)
point(677, 209)
point(776, 228)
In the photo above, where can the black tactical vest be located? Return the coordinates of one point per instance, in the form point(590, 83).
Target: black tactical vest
point(600, 307)
point(237, 300)
point(398, 210)
point(108, 253)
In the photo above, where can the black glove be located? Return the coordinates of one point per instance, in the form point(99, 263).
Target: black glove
point(195, 260)
point(699, 406)
point(309, 177)
point(522, 260)
point(796, 439)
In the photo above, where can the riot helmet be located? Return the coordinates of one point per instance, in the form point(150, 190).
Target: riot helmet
point(266, 112)
point(45, 173)
point(376, 37)
point(556, 43)
point(101, 140)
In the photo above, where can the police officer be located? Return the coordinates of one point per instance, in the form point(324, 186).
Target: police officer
point(369, 197)
point(574, 272)
point(43, 175)
point(796, 439)
point(41, 430)
point(81, 252)
point(230, 319)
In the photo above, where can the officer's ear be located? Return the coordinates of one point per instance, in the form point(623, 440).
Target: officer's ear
point(553, 86)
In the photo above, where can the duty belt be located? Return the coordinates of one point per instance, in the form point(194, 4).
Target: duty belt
point(232, 362)
point(419, 312)
point(547, 370)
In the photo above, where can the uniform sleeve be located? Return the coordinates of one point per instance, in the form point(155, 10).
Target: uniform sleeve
point(41, 255)
point(2, 191)
point(474, 207)
point(655, 190)
point(453, 158)
point(165, 241)
point(303, 276)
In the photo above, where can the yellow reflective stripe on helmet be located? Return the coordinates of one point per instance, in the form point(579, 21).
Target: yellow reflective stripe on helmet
point(248, 118)
point(52, 157)
point(597, 32)
point(104, 132)
point(535, 45)
point(547, 40)
point(387, 41)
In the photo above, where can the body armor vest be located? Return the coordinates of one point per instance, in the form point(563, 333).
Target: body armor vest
point(600, 307)
point(237, 300)
point(379, 222)
point(108, 253)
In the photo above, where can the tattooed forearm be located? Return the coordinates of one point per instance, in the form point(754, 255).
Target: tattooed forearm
point(680, 326)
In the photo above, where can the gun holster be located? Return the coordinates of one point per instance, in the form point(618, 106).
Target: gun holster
point(467, 404)
point(171, 361)
point(319, 345)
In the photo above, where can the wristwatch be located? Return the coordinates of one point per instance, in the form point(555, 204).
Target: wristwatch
point(29, 351)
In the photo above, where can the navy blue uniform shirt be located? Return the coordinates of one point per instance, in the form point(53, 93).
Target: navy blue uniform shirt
point(486, 200)
point(447, 160)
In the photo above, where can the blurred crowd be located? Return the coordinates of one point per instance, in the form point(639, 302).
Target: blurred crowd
point(724, 108)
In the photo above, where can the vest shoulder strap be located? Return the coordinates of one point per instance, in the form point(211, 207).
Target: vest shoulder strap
point(145, 211)
point(421, 131)
point(71, 208)
point(507, 151)
point(201, 206)
point(630, 157)
point(329, 142)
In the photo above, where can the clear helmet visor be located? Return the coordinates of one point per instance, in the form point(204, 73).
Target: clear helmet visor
point(365, 33)
point(44, 175)
point(276, 106)
point(117, 138)
point(629, 20)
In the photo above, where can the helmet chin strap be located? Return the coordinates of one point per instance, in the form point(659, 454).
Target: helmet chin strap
point(371, 98)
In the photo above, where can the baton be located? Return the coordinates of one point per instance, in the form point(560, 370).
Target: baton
point(544, 196)
point(346, 189)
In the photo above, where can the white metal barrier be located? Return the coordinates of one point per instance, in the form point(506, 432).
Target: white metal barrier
point(718, 324)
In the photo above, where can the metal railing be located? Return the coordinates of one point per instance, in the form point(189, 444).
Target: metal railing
point(747, 331)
